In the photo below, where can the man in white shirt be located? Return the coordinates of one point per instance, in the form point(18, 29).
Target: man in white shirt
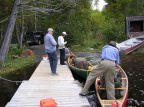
point(61, 47)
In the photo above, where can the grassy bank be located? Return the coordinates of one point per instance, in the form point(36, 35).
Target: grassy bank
point(19, 63)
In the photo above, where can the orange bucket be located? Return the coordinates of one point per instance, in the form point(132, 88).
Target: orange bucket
point(48, 102)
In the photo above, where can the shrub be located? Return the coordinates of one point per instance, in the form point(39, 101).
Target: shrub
point(114, 30)
point(15, 51)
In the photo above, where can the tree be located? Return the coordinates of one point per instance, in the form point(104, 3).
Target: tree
point(46, 7)
point(8, 33)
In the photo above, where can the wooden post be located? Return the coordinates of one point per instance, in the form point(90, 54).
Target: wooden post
point(8, 33)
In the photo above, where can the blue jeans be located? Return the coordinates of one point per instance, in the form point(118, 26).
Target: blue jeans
point(53, 61)
point(62, 56)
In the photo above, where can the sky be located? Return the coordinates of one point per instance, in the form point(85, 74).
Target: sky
point(101, 3)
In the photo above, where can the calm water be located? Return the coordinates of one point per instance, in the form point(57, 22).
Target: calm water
point(7, 89)
point(132, 64)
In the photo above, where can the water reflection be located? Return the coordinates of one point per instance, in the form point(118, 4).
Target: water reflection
point(133, 65)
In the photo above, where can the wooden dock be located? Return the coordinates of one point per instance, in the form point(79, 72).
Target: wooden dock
point(42, 84)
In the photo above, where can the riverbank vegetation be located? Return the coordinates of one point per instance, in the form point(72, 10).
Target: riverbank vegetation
point(17, 59)
point(87, 28)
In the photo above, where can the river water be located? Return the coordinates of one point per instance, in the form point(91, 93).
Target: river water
point(133, 65)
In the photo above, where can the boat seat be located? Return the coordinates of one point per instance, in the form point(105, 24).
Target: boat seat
point(123, 78)
point(115, 88)
point(107, 104)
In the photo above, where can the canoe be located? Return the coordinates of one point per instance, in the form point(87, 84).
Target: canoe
point(130, 45)
point(123, 91)
point(81, 72)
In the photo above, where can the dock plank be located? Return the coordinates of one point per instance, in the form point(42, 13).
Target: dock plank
point(42, 84)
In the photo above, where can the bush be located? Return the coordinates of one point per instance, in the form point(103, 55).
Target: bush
point(14, 65)
point(96, 44)
point(15, 51)
point(14, 46)
point(114, 30)
point(77, 30)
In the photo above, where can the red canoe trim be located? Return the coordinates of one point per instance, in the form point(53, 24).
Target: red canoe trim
point(133, 48)
point(125, 101)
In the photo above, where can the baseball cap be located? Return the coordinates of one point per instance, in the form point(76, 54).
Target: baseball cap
point(50, 29)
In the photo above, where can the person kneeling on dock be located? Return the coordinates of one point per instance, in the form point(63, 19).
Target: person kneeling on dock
point(107, 66)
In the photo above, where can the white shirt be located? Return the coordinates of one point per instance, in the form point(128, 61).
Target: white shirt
point(61, 42)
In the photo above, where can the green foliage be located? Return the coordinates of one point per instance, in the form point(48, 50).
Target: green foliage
point(5, 8)
point(15, 51)
point(97, 22)
point(96, 44)
point(84, 26)
point(119, 9)
point(114, 30)
point(76, 30)
point(17, 64)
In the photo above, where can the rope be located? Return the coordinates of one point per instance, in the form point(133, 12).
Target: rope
point(11, 81)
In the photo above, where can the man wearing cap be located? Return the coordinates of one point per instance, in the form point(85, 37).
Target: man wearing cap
point(107, 66)
point(50, 49)
point(62, 47)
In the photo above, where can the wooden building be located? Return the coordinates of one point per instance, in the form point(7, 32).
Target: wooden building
point(134, 26)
